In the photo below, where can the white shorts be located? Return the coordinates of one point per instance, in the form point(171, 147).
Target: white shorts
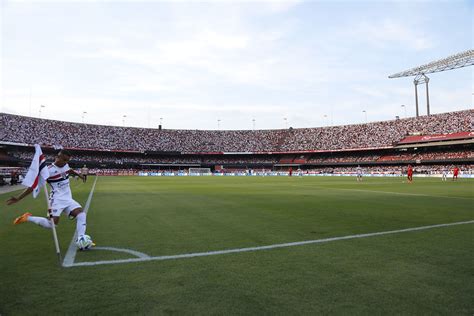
point(64, 206)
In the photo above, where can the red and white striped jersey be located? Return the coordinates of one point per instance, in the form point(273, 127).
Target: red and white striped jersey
point(59, 182)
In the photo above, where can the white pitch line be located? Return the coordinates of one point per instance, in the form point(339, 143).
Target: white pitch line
point(72, 250)
point(291, 244)
point(132, 252)
point(401, 193)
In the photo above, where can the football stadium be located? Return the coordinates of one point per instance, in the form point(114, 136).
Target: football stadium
point(104, 217)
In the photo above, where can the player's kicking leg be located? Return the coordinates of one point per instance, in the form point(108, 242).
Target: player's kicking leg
point(41, 221)
point(74, 210)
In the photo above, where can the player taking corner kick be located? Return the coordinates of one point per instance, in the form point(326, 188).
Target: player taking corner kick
point(60, 198)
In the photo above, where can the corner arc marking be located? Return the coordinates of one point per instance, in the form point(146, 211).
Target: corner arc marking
point(129, 251)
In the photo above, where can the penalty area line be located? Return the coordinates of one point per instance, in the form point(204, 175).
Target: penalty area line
point(291, 244)
point(399, 193)
point(72, 250)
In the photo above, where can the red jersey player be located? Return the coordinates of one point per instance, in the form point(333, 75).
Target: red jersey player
point(455, 173)
point(410, 174)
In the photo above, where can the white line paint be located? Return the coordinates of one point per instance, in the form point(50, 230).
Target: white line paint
point(132, 252)
point(400, 193)
point(291, 244)
point(72, 250)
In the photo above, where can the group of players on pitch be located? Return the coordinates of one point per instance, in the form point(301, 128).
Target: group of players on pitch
point(61, 200)
point(444, 174)
point(410, 174)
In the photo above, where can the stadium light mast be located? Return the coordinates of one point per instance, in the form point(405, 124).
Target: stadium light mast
point(123, 120)
point(459, 60)
point(42, 106)
point(218, 124)
point(365, 112)
point(420, 79)
point(253, 124)
point(83, 115)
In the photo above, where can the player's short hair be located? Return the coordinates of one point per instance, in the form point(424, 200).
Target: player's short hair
point(64, 152)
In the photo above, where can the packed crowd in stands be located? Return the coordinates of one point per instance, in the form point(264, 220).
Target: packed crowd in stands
point(378, 134)
point(240, 160)
point(307, 159)
point(27, 130)
point(384, 170)
point(123, 159)
point(401, 156)
point(110, 158)
point(443, 155)
point(367, 157)
point(395, 170)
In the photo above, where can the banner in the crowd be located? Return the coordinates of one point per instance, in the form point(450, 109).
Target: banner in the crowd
point(286, 174)
point(433, 138)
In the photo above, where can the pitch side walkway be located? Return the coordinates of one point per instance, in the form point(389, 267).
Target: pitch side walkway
point(9, 188)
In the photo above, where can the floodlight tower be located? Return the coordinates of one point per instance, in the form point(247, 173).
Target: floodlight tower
point(420, 79)
point(460, 60)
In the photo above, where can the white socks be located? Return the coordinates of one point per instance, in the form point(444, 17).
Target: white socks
point(81, 224)
point(43, 222)
point(46, 223)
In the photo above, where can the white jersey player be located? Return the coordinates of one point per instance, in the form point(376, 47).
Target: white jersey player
point(445, 175)
point(359, 173)
point(61, 200)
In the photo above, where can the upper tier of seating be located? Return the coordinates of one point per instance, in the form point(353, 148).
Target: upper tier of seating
point(21, 129)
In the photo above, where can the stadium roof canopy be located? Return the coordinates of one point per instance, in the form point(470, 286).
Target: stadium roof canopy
point(452, 62)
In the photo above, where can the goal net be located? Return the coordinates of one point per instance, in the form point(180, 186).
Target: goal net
point(200, 171)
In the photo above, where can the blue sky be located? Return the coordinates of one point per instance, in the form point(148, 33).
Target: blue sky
point(193, 63)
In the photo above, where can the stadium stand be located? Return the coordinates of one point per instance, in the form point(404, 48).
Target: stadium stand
point(380, 146)
point(27, 130)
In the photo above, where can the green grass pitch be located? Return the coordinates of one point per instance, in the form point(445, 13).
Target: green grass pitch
point(416, 272)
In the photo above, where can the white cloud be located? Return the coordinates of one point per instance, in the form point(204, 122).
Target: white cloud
point(233, 57)
point(278, 6)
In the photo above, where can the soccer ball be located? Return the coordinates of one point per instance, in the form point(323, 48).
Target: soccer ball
point(84, 242)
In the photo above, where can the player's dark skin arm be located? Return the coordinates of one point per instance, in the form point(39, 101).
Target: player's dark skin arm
point(76, 174)
point(15, 199)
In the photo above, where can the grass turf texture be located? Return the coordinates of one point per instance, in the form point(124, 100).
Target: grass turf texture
point(424, 272)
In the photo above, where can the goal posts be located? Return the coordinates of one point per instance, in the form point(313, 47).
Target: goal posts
point(200, 171)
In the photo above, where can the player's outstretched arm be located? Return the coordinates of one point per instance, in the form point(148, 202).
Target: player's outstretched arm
point(15, 199)
point(71, 171)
